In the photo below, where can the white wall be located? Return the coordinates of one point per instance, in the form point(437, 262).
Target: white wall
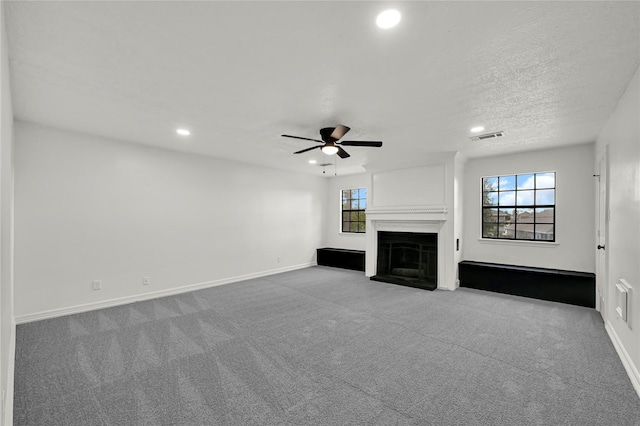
point(335, 238)
point(575, 242)
point(88, 208)
point(622, 136)
point(458, 211)
point(7, 325)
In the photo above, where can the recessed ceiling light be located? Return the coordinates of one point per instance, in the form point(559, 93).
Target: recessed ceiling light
point(477, 129)
point(183, 132)
point(388, 19)
point(312, 161)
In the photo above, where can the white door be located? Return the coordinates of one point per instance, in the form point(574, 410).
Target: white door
point(601, 249)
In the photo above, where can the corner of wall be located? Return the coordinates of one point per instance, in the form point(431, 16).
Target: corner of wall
point(460, 161)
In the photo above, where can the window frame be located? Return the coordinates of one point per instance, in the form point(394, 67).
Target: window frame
point(361, 212)
point(514, 207)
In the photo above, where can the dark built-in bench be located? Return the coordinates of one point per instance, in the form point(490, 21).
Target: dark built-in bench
point(341, 258)
point(575, 288)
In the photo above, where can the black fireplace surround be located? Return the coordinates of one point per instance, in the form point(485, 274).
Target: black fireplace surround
point(408, 258)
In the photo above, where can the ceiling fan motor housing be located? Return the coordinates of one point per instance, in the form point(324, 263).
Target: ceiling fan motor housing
point(326, 132)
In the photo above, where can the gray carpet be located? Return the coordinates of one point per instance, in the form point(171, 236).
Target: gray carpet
point(323, 346)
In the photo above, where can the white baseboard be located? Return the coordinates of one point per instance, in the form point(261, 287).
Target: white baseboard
point(8, 394)
point(627, 362)
point(53, 313)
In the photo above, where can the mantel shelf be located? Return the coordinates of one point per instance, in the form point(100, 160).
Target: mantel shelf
point(407, 213)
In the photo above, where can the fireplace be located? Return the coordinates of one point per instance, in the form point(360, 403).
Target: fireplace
point(408, 258)
point(432, 228)
point(413, 198)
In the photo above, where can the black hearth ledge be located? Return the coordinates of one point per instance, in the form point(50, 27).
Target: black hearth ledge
point(407, 283)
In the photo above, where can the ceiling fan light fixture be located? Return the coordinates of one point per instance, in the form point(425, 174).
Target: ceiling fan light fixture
point(388, 19)
point(330, 149)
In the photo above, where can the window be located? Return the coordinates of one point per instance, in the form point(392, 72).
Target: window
point(519, 207)
point(354, 202)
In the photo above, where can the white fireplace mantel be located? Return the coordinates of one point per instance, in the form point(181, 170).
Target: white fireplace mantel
point(417, 197)
point(431, 214)
point(405, 219)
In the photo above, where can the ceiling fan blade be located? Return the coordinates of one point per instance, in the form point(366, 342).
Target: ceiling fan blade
point(342, 153)
point(361, 143)
point(299, 137)
point(339, 131)
point(308, 149)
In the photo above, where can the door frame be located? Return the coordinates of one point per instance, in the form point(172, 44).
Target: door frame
point(602, 231)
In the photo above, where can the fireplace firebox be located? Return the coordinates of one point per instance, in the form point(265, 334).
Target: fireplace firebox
point(408, 258)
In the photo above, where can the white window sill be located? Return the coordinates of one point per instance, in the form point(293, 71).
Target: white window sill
point(519, 242)
point(362, 234)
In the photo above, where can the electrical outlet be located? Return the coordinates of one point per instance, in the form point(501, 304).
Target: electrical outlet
point(279, 259)
point(146, 280)
point(96, 284)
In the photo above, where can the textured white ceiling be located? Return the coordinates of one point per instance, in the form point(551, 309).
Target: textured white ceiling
point(240, 74)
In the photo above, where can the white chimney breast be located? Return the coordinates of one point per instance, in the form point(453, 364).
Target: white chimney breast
point(414, 197)
point(414, 186)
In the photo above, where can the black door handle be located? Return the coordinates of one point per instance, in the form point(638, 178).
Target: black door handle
point(600, 247)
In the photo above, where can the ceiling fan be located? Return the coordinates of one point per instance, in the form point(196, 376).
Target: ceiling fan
point(330, 137)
